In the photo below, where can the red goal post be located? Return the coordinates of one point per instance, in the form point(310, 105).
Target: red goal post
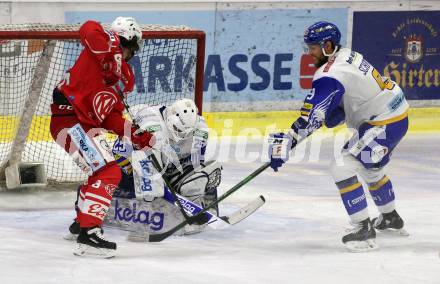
point(33, 59)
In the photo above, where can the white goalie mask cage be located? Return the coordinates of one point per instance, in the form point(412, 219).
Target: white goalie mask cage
point(181, 118)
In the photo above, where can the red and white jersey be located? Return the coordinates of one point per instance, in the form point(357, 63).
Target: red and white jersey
point(92, 99)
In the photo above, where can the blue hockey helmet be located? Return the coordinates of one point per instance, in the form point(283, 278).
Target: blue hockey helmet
point(320, 32)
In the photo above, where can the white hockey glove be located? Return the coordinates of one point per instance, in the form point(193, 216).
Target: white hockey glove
point(162, 145)
point(158, 140)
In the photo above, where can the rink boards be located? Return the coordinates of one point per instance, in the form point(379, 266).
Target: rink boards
point(232, 123)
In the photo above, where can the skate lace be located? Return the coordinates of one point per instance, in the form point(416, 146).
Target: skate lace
point(356, 227)
point(378, 220)
point(98, 233)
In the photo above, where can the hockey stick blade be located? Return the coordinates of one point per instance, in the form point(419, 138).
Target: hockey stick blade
point(193, 209)
point(198, 219)
point(162, 236)
point(232, 219)
point(245, 211)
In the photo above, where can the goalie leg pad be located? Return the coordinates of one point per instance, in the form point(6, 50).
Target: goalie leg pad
point(194, 185)
point(202, 181)
point(142, 218)
point(148, 182)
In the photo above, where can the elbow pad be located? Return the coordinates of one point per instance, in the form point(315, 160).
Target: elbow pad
point(335, 118)
point(112, 69)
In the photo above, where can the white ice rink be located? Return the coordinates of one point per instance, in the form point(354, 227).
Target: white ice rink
point(293, 238)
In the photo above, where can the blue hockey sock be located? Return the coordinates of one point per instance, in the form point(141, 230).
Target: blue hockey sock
point(383, 194)
point(353, 197)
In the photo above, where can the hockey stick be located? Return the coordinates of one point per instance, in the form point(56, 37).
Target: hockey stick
point(198, 219)
point(244, 212)
point(214, 221)
point(193, 209)
point(127, 107)
point(164, 235)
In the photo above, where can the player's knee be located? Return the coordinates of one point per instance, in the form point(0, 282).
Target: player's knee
point(109, 174)
point(372, 175)
point(112, 170)
point(341, 170)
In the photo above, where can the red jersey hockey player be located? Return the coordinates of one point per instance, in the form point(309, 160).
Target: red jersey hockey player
point(87, 101)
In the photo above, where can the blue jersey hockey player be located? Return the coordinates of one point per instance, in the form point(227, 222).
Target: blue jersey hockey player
point(346, 88)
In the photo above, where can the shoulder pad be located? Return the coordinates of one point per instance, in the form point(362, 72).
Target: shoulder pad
point(334, 66)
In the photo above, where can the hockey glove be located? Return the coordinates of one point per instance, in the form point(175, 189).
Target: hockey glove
point(140, 139)
point(111, 69)
point(168, 154)
point(280, 145)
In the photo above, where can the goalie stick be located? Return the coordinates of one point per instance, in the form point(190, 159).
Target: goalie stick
point(198, 219)
point(162, 236)
point(216, 222)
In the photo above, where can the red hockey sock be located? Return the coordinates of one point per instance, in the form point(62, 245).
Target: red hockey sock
point(96, 195)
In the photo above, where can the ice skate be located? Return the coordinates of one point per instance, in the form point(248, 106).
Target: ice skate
point(91, 242)
point(73, 231)
point(390, 222)
point(361, 238)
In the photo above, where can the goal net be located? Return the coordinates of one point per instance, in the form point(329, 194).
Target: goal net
point(33, 60)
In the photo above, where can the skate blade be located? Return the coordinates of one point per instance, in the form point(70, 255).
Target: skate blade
point(362, 246)
point(89, 251)
point(70, 237)
point(397, 232)
point(193, 229)
point(137, 237)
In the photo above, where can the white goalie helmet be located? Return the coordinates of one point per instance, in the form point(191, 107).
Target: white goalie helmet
point(128, 28)
point(181, 118)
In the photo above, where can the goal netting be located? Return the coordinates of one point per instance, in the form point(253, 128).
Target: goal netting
point(34, 58)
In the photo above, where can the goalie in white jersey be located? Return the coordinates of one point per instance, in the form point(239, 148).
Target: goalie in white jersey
point(346, 88)
point(180, 136)
point(181, 139)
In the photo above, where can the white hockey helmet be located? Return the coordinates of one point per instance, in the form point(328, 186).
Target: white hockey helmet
point(129, 30)
point(181, 118)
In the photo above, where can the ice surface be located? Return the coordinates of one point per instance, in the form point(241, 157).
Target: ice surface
point(293, 238)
